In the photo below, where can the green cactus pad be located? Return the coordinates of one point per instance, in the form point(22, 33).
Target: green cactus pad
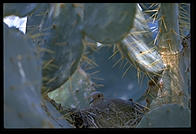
point(184, 19)
point(139, 47)
point(22, 91)
point(108, 22)
point(22, 83)
point(19, 9)
point(36, 19)
point(60, 44)
point(168, 115)
point(75, 92)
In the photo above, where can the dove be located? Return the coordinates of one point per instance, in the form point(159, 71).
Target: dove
point(111, 112)
point(96, 98)
point(106, 113)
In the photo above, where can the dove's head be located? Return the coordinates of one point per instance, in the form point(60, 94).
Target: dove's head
point(96, 97)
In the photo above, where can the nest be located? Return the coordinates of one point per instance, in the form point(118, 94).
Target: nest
point(114, 113)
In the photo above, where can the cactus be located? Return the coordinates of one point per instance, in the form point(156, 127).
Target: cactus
point(61, 50)
point(22, 90)
point(36, 19)
point(19, 9)
point(75, 92)
point(108, 22)
point(170, 48)
point(184, 19)
point(165, 116)
point(54, 67)
point(139, 47)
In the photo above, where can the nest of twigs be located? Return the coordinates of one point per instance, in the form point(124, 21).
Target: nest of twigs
point(114, 113)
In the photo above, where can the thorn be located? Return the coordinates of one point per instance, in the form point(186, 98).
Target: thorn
point(121, 63)
point(117, 62)
point(156, 37)
point(94, 72)
point(38, 35)
point(148, 11)
point(45, 50)
point(162, 18)
point(138, 32)
point(88, 60)
point(97, 78)
point(126, 71)
point(138, 74)
point(152, 79)
point(113, 54)
point(47, 63)
point(153, 4)
point(125, 64)
point(51, 80)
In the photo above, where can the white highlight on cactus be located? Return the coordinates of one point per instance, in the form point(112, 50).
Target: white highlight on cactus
point(130, 86)
point(15, 21)
point(139, 7)
point(51, 10)
point(57, 9)
point(22, 73)
point(99, 44)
